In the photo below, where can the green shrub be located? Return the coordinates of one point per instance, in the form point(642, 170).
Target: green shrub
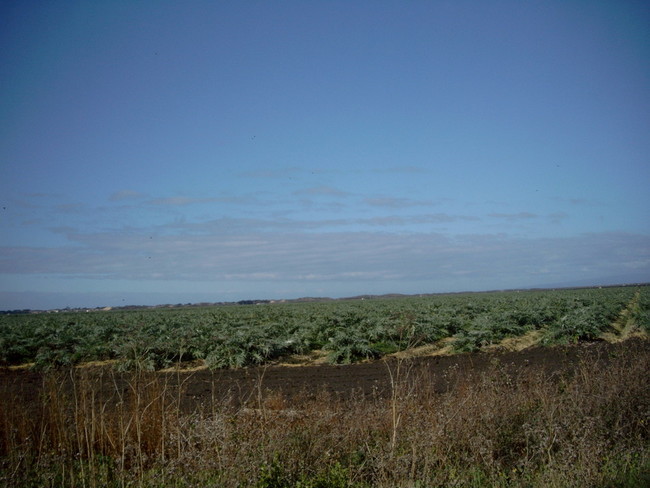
point(274, 475)
point(345, 348)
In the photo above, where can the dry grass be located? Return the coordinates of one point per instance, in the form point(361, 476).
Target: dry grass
point(584, 427)
point(312, 358)
point(517, 343)
point(443, 347)
point(626, 326)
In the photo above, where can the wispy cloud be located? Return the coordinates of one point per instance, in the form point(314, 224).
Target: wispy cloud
point(179, 201)
point(514, 216)
point(64, 230)
point(126, 195)
point(576, 201)
point(557, 217)
point(407, 169)
point(273, 173)
point(469, 261)
point(183, 201)
point(437, 218)
point(71, 207)
point(396, 202)
point(230, 225)
point(322, 191)
point(553, 218)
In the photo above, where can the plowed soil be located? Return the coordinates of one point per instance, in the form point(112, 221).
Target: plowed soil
point(205, 389)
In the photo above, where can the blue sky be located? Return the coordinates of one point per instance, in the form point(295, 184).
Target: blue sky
point(166, 152)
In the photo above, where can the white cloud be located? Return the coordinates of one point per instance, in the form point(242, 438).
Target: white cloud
point(182, 268)
point(336, 256)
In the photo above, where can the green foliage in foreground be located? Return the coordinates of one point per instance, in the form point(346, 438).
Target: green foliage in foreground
point(275, 475)
point(622, 472)
point(348, 331)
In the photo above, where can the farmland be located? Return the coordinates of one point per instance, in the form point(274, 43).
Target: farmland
point(410, 391)
point(345, 331)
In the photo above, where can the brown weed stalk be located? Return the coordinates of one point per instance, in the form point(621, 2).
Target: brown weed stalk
point(585, 425)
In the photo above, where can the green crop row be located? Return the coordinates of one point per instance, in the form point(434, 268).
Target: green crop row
point(242, 335)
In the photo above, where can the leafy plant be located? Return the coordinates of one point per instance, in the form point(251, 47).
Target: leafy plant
point(345, 348)
point(350, 330)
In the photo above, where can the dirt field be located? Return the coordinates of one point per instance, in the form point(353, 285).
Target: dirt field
point(203, 388)
point(552, 416)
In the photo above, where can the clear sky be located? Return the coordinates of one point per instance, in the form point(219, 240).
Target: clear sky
point(164, 152)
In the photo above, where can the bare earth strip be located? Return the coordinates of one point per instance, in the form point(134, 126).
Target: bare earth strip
point(625, 326)
point(202, 387)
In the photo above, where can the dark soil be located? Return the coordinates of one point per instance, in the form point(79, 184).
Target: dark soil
point(249, 386)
